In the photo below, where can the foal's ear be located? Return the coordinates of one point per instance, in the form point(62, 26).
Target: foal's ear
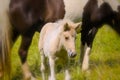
point(66, 27)
point(78, 27)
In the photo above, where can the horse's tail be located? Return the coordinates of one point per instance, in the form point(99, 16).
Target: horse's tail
point(5, 41)
point(5, 55)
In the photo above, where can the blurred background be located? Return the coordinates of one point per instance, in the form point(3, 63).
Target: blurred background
point(104, 57)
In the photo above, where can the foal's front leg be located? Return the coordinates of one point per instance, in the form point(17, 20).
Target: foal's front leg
point(67, 73)
point(43, 62)
point(52, 68)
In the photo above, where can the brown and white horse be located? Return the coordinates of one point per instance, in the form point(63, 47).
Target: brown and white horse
point(24, 17)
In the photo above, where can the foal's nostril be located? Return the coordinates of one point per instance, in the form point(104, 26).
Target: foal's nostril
point(73, 55)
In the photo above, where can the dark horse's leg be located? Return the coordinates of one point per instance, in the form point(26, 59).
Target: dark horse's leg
point(23, 50)
point(87, 34)
point(93, 18)
point(86, 45)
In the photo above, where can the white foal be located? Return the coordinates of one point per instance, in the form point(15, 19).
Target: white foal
point(57, 42)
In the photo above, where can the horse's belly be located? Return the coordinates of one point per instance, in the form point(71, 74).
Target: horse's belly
point(74, 9)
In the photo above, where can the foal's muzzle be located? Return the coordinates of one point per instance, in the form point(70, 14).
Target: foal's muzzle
point(71, 54)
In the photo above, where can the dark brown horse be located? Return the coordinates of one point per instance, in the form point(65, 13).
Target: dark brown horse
point(28, 16)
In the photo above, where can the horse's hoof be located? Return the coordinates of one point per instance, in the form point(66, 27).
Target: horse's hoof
point(50, 78)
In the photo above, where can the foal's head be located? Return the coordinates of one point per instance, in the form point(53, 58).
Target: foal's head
point(68, 37)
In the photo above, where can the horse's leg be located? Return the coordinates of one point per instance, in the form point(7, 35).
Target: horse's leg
point(67, 73)
point(52, 68)
point(43, 63)
point(23, 50)
point(86, 45)
point(15, 35)
point(85, 57)
point(82, 51)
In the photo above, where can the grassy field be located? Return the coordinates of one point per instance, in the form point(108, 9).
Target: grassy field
point(104, 58)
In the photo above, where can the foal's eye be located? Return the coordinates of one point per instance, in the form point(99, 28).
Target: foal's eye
point(66, 38)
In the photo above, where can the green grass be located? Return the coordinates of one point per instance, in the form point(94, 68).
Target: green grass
point(104, 58)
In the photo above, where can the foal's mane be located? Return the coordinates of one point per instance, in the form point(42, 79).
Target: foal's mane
point(61, 23)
